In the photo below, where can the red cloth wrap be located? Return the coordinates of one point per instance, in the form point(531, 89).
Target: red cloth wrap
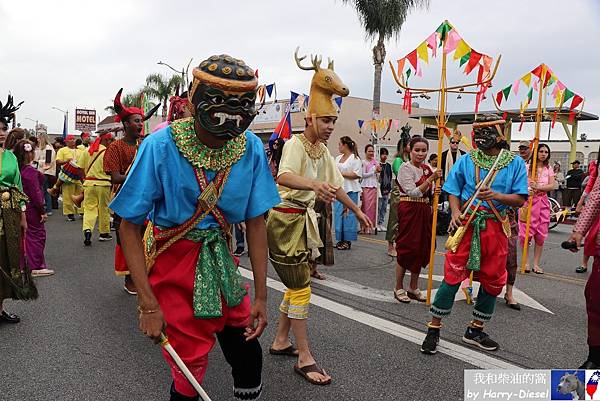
point(592, 303)
point(414, 235)
point(494, 250)
point(121, 268)
point(172, 281)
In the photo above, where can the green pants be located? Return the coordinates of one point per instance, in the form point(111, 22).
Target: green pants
point(444, 300)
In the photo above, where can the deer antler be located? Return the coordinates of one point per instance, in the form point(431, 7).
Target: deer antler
point(316, 61)
point(329, 63)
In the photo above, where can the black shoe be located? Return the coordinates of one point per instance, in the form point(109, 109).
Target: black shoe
point(239, 251)
point(581, 269)
point(70, 217)
point(480, 339)
point(514, 306)
point(105, 237)
point(431, 341)
point(589, 365)
point(175, 396)
point(87, 237)
point(9, 317)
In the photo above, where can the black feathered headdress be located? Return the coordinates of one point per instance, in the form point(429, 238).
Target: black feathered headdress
point(7, 110)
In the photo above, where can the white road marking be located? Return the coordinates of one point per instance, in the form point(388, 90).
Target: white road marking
point(376, 294)
point(461, 353)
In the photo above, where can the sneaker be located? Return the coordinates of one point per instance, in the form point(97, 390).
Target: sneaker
point(87, 237)
point(70, 217)
point(239, 251)
point(431, 341)
point(581, 269)
point(105, 237)
point(42, 272)
point(49, 214)
point(480, 339)
point(382, 228)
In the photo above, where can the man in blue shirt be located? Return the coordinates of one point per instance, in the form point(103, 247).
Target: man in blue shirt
point(192, 180)
point(484, 246)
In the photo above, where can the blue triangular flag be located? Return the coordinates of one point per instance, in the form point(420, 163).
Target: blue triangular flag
point(65, 129)
point(293, 97)
point(306, 100)
point(270, 89)
point(338, 100)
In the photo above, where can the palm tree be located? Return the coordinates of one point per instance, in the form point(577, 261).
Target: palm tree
point(161, 88)
point(381, 20)
point(130, 100)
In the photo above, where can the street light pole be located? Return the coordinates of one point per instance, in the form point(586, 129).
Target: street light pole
point(182, 72)
point(36, 124)
point(66, 114)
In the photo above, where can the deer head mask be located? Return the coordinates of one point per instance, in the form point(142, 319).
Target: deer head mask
point(325, 83)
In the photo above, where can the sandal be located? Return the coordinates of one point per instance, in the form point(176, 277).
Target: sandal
point(527, 269)
point(343, 245)
point(581, 269)
point(314, 368)
point(537, 270)
point(318, 275)
point(401, 296)
point(289, 351)
point(416, 295)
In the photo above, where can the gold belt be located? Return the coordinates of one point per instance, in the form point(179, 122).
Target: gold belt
point(411, 199)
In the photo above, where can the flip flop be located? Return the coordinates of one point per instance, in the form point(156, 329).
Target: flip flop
point(318, 275)
point(537, 270)
point(401, 296)
point(289, 351)
point(314, 368)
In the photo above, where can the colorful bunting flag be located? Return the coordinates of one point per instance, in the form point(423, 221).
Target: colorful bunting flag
point(408, 72)
point(473, 61)
point(270, 89)
point(401, 65)
point(499, 98)
point(412, 58)
point(526, 79)
point(577, 100)
point(558, 98)
point(422, 52)
point(465, 58)
point(560, 85)
point(506, 91)
point(293, 97)
point(530, 95)
point(567, 95)
point(432, 44)
point(360, 123)
point(443, 30)
point(537, 71)
point(461, 49)
point(516, 85)
point(338, 100)
point(452, 41)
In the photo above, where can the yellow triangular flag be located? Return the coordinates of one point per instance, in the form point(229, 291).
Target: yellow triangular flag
point(526, 78)
point(558, 99)
point(422, 52)
point(461, 49)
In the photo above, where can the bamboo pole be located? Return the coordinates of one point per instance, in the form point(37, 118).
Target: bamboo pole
point(536, 140)
point(436, 194)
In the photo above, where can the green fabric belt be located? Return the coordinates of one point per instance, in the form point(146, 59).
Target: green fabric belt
point(216, 274)
point(478, 223)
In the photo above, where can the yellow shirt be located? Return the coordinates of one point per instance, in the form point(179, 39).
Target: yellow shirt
point(80, 151)
point(65, 154)
point(96, 170)
point(295, 160)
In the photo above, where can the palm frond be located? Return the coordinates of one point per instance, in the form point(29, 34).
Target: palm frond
point(384, 18)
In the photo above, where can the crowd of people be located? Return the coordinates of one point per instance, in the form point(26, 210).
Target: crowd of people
point(180, 197)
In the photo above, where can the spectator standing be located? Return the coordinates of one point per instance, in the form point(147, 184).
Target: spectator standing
point(350, 166)
point(574, 180)
point(450, 156)
point(385, 186)
point(369, 184)
point(46, 164)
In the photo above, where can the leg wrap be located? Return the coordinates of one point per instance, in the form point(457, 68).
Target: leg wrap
point(175, 396)
point(484, 306)
point(245, 359)
point(444, 300)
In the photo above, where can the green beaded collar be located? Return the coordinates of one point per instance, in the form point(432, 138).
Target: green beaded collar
point(200, 155)
point(484, 161)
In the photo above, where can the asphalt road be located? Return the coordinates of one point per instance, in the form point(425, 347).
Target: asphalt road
point(79, 340)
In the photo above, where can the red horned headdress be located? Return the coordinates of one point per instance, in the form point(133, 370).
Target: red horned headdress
point(124, 112)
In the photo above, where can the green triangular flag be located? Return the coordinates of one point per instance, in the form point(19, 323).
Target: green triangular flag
point(530, 94)
point(408, 72)
point(568, 94)
point(551, 81)
point(506, 91)
point(443, 30)
point(465, 58)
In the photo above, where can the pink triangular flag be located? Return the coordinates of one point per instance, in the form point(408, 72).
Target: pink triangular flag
point(535, 85)
point(515, 86)
point(432, 44)
point(560, 85)
point(451, 41)
point(419, 71)
point(555, 91)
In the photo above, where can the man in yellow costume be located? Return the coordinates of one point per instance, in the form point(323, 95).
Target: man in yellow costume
point(67, 158)
point(96, 190)
point(307, 171)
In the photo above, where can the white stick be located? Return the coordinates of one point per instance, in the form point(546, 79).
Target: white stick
point(164, 342)
point(485, 181)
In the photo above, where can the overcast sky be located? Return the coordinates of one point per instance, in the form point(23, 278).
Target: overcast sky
point(72, 54)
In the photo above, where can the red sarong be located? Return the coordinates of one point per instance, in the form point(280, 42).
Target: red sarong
point(414, 235)
point(494, 250)
point(121, 268)
point(172, 281)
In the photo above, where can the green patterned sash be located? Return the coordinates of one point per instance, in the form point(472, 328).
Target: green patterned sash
point(216, 274)
point(479, 223)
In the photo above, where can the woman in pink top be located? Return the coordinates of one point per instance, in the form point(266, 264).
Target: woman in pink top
point(540, 209)
point(370, 172)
